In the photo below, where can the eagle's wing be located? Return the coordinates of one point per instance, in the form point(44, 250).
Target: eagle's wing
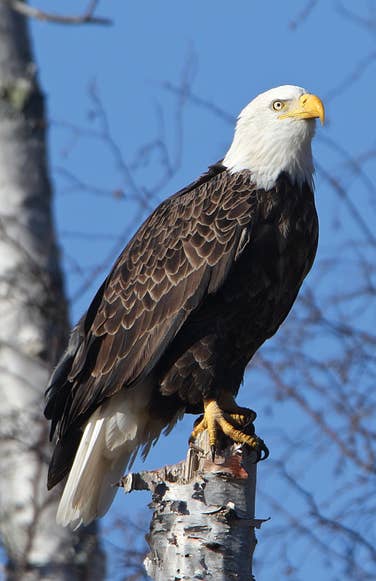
point(181, 253)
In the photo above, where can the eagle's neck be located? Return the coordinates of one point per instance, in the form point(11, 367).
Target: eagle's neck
point(267, 155)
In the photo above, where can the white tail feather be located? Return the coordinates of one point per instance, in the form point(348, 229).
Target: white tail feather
point(112, 436)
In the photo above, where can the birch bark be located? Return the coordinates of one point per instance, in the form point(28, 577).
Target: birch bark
point(203, 524)
point(33, 327)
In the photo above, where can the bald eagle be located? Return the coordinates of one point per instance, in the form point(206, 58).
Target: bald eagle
point(209, 276)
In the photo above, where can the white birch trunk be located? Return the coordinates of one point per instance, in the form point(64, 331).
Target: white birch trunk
point(33, 327)
point(203, 525)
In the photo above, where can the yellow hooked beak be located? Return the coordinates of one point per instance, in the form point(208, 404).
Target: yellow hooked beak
point(310, 107)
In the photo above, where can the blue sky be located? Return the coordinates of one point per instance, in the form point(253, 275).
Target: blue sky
point(230, 56)
point(228, 53)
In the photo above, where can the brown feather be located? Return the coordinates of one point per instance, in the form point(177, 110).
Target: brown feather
point(206, 279)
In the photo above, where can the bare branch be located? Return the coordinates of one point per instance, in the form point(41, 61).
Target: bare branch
point(303, 14)
point(367, 22)
point(87, 17)
point(352, 77)
point(200, 102)
point(324, 520)
point(354, 212)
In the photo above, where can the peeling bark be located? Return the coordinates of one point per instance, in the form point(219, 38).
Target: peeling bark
point(203, 521)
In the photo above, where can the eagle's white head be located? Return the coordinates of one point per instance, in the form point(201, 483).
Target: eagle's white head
point(273, 135)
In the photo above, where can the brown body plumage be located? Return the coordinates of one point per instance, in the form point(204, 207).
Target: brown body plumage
point(204, 282)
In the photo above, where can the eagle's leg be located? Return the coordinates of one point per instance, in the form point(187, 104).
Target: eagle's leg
point(219, 419)
point(240, 415)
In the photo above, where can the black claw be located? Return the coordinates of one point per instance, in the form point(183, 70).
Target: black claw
point(212, 450)
point(263, 450)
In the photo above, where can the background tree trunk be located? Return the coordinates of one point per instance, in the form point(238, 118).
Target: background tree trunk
point(33, 327)
point(204, 515)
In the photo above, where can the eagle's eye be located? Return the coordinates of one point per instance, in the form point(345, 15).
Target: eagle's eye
point(278, 105)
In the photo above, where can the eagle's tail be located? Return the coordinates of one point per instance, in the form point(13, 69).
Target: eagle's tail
point(109, 444)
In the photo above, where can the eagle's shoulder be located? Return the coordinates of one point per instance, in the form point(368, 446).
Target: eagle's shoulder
point(213, 170)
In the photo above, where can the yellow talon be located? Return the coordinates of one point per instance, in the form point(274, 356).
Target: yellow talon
point(217, 419)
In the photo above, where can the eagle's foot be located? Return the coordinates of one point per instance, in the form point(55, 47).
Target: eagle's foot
point(217, 420)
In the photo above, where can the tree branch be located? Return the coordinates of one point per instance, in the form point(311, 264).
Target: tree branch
point(88, 16)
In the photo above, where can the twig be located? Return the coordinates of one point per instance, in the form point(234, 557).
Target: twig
point(200, 102)
point(305, 12)
point(352, 77)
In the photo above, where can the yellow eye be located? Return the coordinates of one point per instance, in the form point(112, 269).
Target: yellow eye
point(278, 105)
